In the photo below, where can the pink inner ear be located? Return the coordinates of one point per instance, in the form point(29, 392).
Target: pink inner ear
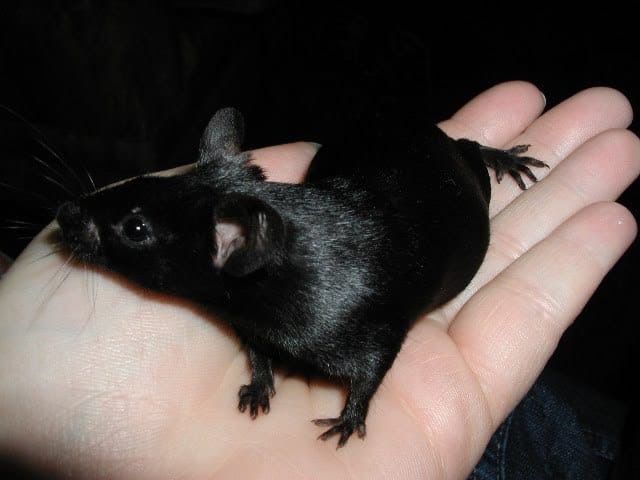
point(229, 237)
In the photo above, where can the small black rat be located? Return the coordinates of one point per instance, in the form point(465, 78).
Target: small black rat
point(324, 276)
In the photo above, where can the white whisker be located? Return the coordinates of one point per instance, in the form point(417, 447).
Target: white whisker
point(41, 139)
point(35, 195)
point(83, 187)
point(55, 182)
point(92, 294)
point(48, 296)
point(60, 176)
point(93, 184)
point(20, 222)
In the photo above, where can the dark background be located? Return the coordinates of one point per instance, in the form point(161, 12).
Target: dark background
point(125, 88)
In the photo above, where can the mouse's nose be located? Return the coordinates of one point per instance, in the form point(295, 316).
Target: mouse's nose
point(69, 214)
point(78, 229)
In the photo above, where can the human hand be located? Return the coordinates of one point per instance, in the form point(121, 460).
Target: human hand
point(99, 379)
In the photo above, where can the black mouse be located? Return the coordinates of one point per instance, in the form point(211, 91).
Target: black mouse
point(325, 276)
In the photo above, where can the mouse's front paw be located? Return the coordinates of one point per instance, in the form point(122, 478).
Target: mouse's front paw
point(255, 396)
point(341, 426)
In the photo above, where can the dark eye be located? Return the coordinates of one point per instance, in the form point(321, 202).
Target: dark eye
point(136, 229)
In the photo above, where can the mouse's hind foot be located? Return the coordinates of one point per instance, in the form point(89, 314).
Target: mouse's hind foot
point(510, 162)
point(343, 426)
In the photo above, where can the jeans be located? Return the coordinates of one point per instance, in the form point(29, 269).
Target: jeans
point(558, 431)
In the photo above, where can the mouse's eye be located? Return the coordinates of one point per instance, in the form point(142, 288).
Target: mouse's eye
point(136, 229)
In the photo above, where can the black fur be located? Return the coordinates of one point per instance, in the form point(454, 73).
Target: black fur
point(326, 276)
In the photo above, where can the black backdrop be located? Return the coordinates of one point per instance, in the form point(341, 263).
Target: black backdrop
point(125, 88)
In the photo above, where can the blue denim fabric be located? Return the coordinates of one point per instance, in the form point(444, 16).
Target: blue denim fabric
point(558, 431)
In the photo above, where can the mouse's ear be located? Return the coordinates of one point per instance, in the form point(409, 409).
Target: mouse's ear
point(223, 136)
point(248, 235)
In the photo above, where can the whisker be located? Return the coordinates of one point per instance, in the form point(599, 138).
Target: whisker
point(47, 166)
point(94, 287)
point(59, 185)
point(41, 257)
point(93, 184)
point(60, 175)
point(83, 187)
point(48, 297)
point(18, 227)
point(35, 195)
point(66, 275)
point(89, 278)
point(85, 281)
point(20, 222)
point(92, 291)
point(44, 144)
point(67, 262)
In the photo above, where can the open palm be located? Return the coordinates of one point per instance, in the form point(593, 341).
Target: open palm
point(100, 379)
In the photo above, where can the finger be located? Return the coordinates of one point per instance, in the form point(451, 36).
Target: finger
point(599, 170)
point(493, 117)
point(285, 163)
point(439, 393)
point(509, 329)
point(561, 130)
point(281, 163)
point(497, 115)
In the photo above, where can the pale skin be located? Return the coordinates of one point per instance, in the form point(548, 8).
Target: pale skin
point(101, 380)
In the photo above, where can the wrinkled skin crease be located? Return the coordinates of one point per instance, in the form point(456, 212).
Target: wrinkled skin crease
point(139, 385)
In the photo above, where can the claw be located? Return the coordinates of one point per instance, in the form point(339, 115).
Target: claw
point(516, 176)
point(527, 171)
point(342, 427)
point(534, 162)
point(326, 422)
point(518, 149)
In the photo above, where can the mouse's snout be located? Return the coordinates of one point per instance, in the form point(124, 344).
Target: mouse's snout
point(68, 214)
point(78, 229)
